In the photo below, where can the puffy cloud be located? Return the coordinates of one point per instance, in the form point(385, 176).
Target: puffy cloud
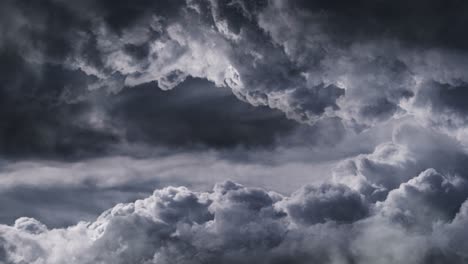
point(232, 224)
point(173, 222)
point(412, 150)
point(30, 225)
point(49, 113)
point(427, 198)
point(237, 224)
point(311, 205)
point(367, 66)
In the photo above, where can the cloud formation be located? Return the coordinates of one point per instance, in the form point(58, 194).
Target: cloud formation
point(363, 64)
point(398, 194)
point(237, 224)
point(358, 106)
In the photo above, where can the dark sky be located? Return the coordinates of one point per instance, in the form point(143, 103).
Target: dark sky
point(304, 131)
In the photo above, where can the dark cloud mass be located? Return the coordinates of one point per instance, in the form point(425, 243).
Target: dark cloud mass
point(361, 62)
point(46, 112)
point(360, 106)
point(178, 117)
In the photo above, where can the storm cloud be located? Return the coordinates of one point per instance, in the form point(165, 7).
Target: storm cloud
point(303, 131)
point(363, 62)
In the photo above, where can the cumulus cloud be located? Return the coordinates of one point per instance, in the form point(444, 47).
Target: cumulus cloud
point(311, 205)
point(412, 150)
point(425, 199)
point(62, 193)
point(237, 224)
point(377, 89)
point(402, 194)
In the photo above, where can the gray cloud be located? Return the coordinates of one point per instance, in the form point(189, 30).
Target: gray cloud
point(425, 199)
point(103, 101)
point(391, 195)
point(412, 150)
point(318, 61)
point(237, 224)
point(311, 205)
point(311, 73)
point(52, 115)
point(62, 193)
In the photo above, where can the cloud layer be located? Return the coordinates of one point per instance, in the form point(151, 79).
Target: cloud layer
point(364, 64)
point(359, 107)
point(237, 224)
point(394, 205)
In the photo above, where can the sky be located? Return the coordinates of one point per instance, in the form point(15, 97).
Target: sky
point(233, 131)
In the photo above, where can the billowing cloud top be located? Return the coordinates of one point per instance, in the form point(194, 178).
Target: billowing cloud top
point(357, 106)
point(417, 223)
point(363, 63)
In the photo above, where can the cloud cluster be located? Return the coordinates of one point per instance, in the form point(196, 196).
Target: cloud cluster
point(412, 150)
point(49, 115)
point(319, 63)
point(62, 193)
point(363, 64)
point(397, 204)
point(340, 67)
point(237, 224)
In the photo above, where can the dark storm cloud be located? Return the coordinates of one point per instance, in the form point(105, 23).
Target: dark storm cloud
point(444, 97)
point(47, 111)
point(54, 52)
point(419, 23)
point(361, 62)
point(310, 72)
point(33, 119)
point(378, 51)
point(444, 104)
point(196, 113)
point(94, 78)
